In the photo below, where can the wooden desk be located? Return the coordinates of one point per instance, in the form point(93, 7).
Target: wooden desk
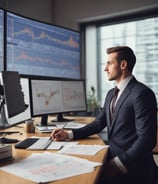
point(19, 154)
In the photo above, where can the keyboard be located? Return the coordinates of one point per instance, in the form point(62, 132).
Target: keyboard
point(41, 144)
point(26, 143)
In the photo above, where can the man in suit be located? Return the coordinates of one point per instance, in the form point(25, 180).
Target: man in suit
point(132, 126)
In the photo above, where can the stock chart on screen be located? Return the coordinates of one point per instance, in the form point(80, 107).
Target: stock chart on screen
point(73, 96)
point(51, 96)
point(41, 49)
point(46, 96)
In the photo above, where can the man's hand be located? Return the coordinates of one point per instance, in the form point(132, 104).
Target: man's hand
point(59, 135)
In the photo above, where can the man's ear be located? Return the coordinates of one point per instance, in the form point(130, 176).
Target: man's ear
point(123, 64)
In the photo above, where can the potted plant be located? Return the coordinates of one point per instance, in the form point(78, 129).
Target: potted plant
point(93, 105)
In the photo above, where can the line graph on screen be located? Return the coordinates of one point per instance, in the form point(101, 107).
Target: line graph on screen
point(32, 44)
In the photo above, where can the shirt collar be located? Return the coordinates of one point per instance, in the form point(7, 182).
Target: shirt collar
point(124, 83)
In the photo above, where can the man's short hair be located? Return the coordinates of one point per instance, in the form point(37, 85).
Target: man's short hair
point(124, 53)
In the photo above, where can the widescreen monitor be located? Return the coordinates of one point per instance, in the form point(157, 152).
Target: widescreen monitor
point(1, 40)
point(39, 49)
point(57, 97)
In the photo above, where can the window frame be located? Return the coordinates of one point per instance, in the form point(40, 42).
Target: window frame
point(116, 18)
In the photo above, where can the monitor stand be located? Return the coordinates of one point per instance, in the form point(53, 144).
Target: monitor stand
point(60, 118)
point(44, 120)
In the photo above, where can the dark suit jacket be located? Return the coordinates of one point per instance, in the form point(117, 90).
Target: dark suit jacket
point(132, 132)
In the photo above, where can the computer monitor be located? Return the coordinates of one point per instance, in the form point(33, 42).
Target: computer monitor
point(56, 97)
point(26, 115)
point(12, 97)
point(1, 40)
point(40, 49)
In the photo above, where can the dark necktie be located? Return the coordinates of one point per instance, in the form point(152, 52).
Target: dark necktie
point(115, 94)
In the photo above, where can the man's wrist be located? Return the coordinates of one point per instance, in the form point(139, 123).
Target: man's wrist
point(70, 134)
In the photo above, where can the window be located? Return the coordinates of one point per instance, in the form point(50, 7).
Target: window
point(138, 30)
point(142, 37)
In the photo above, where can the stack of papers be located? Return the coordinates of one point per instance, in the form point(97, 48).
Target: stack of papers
point(46, 167)
point(5, 152)
point(45, 129)
point(82, 149)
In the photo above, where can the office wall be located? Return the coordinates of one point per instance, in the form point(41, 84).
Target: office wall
point(36, 9)
point(68, 12)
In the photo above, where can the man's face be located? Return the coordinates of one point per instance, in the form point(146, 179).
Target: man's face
point(113, 68)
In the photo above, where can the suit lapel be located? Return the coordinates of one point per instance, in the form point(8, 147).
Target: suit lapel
point(120, 102)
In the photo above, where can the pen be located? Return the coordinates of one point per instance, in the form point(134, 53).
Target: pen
point(59, 130)
point(64, 126)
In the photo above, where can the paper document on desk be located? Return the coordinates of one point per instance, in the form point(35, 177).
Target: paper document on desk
point(45, 129)
point(74, 125)
point(63, 144)
point(82, 149)
point(68, 125)
point(46, 167)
